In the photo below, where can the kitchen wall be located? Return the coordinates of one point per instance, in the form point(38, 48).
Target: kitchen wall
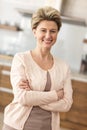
point(69, 45)
point(77, 9)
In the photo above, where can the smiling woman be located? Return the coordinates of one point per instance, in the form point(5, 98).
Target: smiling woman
point(41, 82)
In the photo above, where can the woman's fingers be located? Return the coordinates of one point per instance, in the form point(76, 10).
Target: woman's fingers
point(60, 94)
point(24, 84)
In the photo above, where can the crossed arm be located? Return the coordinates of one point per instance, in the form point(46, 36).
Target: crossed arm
point(59, 105)
point(24, 84)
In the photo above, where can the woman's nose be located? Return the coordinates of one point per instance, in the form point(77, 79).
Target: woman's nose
point(48, 34)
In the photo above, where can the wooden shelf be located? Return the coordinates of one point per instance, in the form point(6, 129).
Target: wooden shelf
point(8, 27)
point(5, 57)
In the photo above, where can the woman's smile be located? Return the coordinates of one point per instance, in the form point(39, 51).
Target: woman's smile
point(47, 41)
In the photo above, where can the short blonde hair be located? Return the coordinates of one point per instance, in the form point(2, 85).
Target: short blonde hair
point(46, 13)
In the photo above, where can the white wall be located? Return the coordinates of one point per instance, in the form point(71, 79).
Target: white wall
point(69, 45)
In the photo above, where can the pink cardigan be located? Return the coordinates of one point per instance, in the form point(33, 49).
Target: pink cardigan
point(24, 67)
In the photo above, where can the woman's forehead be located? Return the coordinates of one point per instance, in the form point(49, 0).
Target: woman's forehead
point(47, 24)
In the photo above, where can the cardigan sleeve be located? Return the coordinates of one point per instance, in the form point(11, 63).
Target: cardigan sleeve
point(64, 104)
point(29, 98)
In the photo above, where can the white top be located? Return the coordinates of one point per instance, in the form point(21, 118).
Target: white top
point(24, 67)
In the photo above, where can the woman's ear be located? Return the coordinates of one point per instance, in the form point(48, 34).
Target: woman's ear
point(34, 32)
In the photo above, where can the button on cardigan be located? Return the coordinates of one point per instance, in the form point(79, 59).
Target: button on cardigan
point(24, 67)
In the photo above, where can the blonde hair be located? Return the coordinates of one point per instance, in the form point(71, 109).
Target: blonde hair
point(46, 13)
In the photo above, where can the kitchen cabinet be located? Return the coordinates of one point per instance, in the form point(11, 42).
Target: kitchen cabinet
point(6, 94)
point(76, 118)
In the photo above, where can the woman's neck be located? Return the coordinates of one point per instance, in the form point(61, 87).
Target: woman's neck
point(43, 58)
point(42, 53)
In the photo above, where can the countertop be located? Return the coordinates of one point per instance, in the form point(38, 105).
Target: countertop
point(78, 76)
point(5, 60)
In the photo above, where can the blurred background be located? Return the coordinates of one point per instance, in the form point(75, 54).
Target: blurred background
point(16, 36)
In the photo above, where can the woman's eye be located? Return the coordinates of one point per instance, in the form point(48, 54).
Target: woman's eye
point(53, 31)
point(43, 30)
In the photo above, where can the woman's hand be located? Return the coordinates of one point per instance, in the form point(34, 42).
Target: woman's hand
point(60, 93)
point(24, 84)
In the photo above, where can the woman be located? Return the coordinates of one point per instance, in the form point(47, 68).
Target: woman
point(41, 83)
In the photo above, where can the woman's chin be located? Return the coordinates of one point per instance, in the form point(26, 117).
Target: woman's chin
point(47, 46)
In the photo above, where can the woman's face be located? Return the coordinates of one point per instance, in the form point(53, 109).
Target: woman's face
point(46, 34)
